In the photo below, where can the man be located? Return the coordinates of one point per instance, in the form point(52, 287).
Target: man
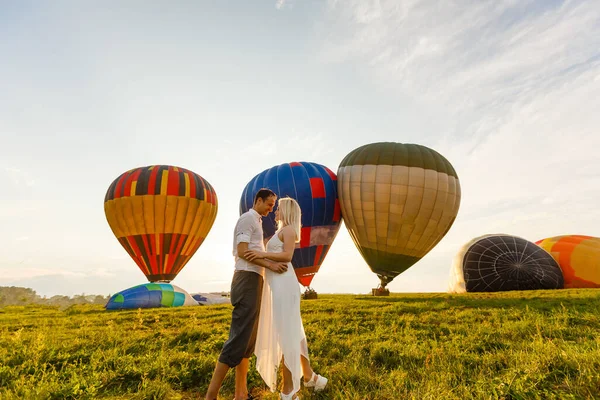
point(246, 292)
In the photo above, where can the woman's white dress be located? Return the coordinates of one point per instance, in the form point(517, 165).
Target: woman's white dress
point(280, 330)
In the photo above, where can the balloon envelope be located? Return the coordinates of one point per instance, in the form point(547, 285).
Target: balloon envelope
point(493, 263)
point(151, 295)
point(161, 215)
point(579, 258)
point(205, 299)
point(314, 187)
point(398, 201)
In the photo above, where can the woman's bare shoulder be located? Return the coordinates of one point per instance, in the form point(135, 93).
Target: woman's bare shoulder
point(287, 228)
point(286, 231)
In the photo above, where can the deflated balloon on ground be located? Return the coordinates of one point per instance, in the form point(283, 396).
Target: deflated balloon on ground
point(498, 262)
point(151, 295)
point(578, 257)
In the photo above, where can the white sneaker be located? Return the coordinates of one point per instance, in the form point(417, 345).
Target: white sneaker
point(289, 396)
point(318, 384)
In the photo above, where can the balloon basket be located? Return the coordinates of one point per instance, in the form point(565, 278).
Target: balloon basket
point(309, 294)
point(380, 292)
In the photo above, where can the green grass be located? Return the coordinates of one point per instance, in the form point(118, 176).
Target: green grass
point(518, 345)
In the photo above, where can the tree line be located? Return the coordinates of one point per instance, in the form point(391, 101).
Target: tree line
point(19, 296)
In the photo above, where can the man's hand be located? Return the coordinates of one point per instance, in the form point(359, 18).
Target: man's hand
point(278, 267)
point(252, 255)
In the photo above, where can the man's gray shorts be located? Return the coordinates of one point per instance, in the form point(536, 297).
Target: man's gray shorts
point(246, 294)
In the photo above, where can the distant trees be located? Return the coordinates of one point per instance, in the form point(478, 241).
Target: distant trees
point(19, 296)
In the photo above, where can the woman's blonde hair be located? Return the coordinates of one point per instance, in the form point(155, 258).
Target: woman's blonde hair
point(289, 214)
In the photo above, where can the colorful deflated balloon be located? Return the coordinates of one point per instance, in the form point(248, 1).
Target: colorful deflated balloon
point(498, 262)
point(160, 214)
point(150, 295)
point(579, 258)
point(398, 201)
point(314, 187)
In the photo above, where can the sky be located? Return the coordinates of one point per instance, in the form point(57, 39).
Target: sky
point(507, 90)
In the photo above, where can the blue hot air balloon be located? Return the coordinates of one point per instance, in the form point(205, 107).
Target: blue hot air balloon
point(314, 187)
point(151, 295)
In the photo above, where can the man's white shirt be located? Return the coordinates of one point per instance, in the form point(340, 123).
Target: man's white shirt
point(248, 229)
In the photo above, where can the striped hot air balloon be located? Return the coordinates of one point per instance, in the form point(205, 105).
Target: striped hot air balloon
point(578, 257)
point(150, 295)
point(398, 201)
point(314, 187)
point(160, 214)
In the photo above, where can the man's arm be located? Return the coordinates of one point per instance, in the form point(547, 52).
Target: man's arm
point(289, 244)
point(242, 247)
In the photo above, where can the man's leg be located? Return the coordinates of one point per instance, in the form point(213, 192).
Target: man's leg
point(241, 379)
point(241, 371)
point(243, 320)
point(228, 356)
point(216, 381)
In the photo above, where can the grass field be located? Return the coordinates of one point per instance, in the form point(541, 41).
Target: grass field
point(518, 345)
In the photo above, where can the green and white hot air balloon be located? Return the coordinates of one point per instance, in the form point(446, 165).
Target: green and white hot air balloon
point(398, 201)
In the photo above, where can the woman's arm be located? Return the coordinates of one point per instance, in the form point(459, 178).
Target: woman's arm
point(289, 243)
point(279, 267)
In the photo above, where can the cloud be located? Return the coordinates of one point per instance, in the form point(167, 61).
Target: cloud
point(468, 61)
point(19, 177)
point(103, 272)
point(432, 48)
point(261, 148)
point(514, 83)
point(314, 146)
point(20, 208)
point(279, 4)
point(16, 274)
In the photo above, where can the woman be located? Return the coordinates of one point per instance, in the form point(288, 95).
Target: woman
point(280, 331)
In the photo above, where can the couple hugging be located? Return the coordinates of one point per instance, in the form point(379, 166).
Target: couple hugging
point(265, 296)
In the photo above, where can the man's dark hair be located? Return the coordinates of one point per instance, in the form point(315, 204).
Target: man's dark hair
point(264, 194)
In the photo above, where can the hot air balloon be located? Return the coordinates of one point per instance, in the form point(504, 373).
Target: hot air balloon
point(150, 295)
point(313, 186)
point(398, 201)
point(160, 214)
point(206, 299)
point(498, 262)
point(579, 258)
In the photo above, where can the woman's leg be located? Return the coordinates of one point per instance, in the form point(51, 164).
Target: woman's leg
point(288, 383)
point(307, 371)
point(311, 379)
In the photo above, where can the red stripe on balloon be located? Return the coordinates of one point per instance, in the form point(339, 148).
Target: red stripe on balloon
point(305, 237)
point(147, 247)
point(118, 186)
point(331, 174)
point(152, 181)
point(133, 245)
point(336, 211)
point(209, 195)
point(182, 239)
point(192, 184)
point(152, 257)
point(317, 188)
point(169, 266)
point(318, 255)
point(173, 183)
point(138, 257)
point(127, 185)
